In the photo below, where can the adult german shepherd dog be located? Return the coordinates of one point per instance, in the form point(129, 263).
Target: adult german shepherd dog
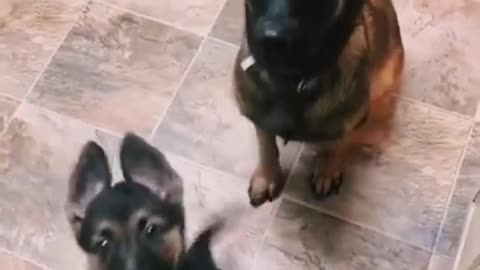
point(325, 72)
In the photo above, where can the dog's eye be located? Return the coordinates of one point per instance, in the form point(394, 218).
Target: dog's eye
point(147, 229)
point(150, 227)
point(150, 230)
point(101, 245)
point(102, 242)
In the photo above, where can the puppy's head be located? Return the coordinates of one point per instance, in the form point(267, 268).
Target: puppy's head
point(137, 224)
point(283, 33)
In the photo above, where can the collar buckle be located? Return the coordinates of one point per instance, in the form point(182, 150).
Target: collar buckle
point(247, 63)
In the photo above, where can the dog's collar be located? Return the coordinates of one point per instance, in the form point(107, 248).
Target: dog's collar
point(302, 86)
point(247, 63)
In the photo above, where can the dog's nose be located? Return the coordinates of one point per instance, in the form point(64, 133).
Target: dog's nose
point(274, 33)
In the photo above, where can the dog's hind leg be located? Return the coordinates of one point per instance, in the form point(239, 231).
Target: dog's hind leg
point(267, 181)
point(385, 84)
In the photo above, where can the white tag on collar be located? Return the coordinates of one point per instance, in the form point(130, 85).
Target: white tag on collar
point(247, 63)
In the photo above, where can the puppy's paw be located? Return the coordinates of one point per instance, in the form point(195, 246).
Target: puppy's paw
point(265, 185)
point(326, 185)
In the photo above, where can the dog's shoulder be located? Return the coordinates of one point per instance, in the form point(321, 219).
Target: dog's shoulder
point(377, 33)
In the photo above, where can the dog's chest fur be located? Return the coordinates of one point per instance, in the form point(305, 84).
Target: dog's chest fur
point(329, 105)
point(334, 101)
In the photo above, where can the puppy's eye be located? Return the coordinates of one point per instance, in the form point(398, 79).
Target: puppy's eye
point(102, 242)
point(101, 245)
point(150, 230)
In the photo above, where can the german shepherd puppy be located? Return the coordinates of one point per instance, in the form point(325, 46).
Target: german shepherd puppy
point(322, 72)
point(136, 224)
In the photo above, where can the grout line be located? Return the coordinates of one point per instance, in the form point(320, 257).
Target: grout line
point(23, 258)
point(453, 186)
point(200, 165)
point(162, 115)
point(430, 260)
point(11, 97)
point(215, 18)
point(275, 208)
point(203, 166)
point(24, 101)
point(44, 68)
point(362, 226)
point(150, 18)
point(187, 72)
point(224, 42)
point(62, 41)
point(477, 112)
point(78, 120)
point(436, 108)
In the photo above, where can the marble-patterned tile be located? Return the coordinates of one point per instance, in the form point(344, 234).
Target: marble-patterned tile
point(204, 123)
point(230, 24)
point(208, 194)
point(440, 52)
point(404, 191)
point(195, 15)
point(468, 184)
point(30, 32)
point(301, 238)
point(37, 154)
point(440, 262)
point(7, 108)
point(11, 262)
point(116, 70)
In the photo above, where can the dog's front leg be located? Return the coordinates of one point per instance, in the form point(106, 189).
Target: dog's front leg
point(327, 174)
point(267, 181)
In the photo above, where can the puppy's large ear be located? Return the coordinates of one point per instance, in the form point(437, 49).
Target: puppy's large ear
point(90, 177)
point(143, 164)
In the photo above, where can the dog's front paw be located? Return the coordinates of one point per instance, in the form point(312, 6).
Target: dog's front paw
point(326, 184)
point(265, 185)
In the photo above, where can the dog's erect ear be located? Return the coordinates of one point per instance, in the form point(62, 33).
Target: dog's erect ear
point(90, 177)
point(143, 164)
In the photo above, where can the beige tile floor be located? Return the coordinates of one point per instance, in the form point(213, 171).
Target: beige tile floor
point(73, 70)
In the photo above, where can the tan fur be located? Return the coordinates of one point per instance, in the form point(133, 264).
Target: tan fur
point(170, 248)
point(387, 66)
point(378, 38)
point(173, 245)
point(268, 176)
